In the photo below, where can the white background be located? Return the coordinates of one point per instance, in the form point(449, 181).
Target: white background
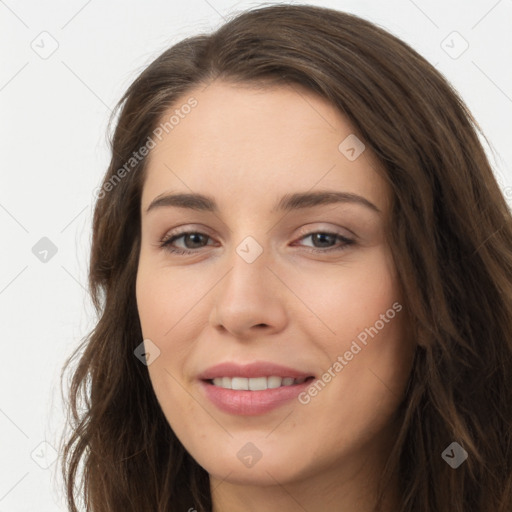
point(54, 115)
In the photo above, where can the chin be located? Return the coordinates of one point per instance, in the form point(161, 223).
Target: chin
point(271, 466)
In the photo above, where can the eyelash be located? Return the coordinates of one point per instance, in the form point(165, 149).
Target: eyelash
point(165, 243)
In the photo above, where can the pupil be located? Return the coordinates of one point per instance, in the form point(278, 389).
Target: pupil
point(319, 235)
point(193, 235)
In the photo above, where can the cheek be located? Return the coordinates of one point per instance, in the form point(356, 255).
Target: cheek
point(148, 293)
point(363, 322)
point(164, 296)
point(351, 296)
point(159, 314)
point(170, 311)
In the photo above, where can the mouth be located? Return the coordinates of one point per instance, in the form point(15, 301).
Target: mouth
point(254, 388)
point(253, 396)
point(257, 383)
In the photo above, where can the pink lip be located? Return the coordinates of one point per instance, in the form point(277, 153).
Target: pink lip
point(255, 369)
point(251, 403)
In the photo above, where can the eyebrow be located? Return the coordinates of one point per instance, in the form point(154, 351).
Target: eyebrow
point(288, 202)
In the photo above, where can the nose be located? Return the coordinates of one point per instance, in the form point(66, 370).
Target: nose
point(250, 300)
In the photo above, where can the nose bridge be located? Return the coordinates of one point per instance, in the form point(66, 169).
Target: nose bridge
point(248, 265)
point(252, 258)
point(250, 250)
point(247, 295)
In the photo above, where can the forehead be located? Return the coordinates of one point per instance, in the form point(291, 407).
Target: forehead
point(257, 143)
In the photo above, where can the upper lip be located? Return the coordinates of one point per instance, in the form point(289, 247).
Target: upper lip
point(255, 369)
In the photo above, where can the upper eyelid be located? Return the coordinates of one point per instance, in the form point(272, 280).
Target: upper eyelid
point(303, 231)
point(310, 232)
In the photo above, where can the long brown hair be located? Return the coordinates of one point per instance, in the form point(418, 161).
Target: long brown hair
point(450, 235)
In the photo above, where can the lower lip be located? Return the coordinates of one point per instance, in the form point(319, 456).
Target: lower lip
point(252, 403)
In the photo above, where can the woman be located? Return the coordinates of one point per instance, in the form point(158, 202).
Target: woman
point(260, 369)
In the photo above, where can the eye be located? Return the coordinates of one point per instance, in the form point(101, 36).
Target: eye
point(187, 235)
point(321, 237)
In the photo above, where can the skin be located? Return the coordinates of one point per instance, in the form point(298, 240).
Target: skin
point(247, 147)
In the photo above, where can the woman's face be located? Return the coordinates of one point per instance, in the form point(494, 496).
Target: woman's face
point(307, 283)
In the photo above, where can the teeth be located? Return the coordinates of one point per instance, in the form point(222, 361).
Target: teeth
point(256, 383)
point(239, 383)
point(274, 382)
